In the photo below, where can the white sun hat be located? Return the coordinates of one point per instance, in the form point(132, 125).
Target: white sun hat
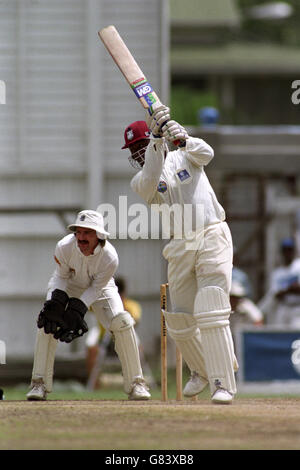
point(237, 289)
point(90, 219)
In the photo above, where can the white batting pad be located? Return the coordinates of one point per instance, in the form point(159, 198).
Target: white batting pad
point(219, 358)
point(212, 310)
point(127, 348)
point(44, 356)
point(212, 307)
point(183, 329)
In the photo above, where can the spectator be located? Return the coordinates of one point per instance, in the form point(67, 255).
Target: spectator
point(285, 287)
point(238, 275)
point(245, 312)
point(130, 305)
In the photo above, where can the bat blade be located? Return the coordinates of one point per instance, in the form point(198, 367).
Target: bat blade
point(131, 71)
point(129, 68)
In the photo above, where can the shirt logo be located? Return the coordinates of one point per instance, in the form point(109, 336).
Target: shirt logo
point(162, 187)
point(183, 175)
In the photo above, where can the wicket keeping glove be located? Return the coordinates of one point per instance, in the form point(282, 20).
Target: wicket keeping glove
point(51, 316)
point(73, 319)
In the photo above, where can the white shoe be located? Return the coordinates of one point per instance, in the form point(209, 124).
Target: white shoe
point(195, 385)
point(38, 391)
point(222, 397)
point(139, 391)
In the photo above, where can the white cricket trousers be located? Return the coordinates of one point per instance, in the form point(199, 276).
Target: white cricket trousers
point(106, 308)
point(190, 270)
point(199, 282)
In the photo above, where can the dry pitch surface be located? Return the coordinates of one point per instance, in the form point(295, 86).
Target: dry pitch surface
point(248, 424)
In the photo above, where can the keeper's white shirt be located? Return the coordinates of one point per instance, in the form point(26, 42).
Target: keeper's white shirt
point(178, 177)
point(83, 276)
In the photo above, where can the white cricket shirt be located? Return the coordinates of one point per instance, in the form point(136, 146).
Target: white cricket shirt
point(178, 177)
point(84, 275)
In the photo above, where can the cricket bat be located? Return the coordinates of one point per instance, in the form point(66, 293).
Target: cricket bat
point(130, 69)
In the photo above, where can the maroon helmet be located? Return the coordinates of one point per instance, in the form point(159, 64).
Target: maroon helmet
point(136, 131)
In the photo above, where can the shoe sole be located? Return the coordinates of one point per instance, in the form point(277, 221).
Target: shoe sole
point(222, 402)
point(139, 398)
point(36, 399)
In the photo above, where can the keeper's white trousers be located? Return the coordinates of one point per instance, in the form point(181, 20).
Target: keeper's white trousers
point(108, 309)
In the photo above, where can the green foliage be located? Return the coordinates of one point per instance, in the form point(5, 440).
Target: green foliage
point(285, 31)
point(186, 101)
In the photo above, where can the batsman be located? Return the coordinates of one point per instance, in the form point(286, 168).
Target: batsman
point(200, 265)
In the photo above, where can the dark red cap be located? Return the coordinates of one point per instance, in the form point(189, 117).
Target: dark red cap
point(136, 131)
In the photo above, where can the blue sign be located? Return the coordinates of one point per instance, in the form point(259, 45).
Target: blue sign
point(270, 355)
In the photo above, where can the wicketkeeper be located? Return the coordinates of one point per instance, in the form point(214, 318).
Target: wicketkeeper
point(85, 265)
point(200, 264)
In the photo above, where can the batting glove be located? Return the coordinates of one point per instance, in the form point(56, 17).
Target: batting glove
point(173, 131)
point(157, 120)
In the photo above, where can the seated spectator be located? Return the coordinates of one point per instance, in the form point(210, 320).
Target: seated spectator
point(245, 312)
point(285, 287)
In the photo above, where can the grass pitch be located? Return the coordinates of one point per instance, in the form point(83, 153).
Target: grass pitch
point(106, 420)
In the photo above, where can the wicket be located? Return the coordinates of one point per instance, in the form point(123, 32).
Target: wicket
point(164, 360)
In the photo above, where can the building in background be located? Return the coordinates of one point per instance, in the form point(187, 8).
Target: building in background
point(61, 133)
point(243, 68)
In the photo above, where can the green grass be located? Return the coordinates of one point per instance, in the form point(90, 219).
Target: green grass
point(67, 392)
point(73, 419)
point(18, 393)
